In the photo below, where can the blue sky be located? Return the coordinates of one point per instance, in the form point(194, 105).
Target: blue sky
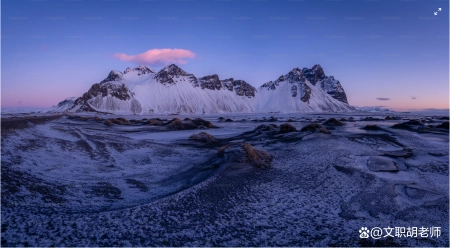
point(380, 49)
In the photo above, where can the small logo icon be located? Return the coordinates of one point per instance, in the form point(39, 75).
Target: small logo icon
point(364, 233)
point(376, 233)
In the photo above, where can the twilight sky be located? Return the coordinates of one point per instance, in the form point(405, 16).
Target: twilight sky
point(392, 53)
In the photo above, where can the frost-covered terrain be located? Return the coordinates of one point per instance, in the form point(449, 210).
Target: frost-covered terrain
point(174, 91)
point(253, 181)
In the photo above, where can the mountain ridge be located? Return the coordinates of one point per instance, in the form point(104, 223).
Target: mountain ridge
point(142, 90)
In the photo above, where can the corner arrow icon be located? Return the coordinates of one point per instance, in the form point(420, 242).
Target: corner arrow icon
point(439, 9)
point(435, 13)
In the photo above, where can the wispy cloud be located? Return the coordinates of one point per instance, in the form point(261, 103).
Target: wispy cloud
point(158, 56)
point(383, 98)
point(414, 98)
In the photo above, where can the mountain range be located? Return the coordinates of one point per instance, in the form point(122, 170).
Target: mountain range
point(171, 90)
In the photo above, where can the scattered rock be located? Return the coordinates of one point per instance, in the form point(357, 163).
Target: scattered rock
point(343, 119)
point(314, 127)
point(264, 127)
point(154, 122)
point(204, 137)
point(372, 127)
point(443, 125)
point(290, 120)
point(246, 153)
point(272, 119)
point(333, 122)
point(108, 123)
point(371, 119)
point(258, 158)
point(286, 127)
point(228, 120)
point(118, 121)
point(177, 124)
point(200, 121)
point(412, 125)
point(444, 118)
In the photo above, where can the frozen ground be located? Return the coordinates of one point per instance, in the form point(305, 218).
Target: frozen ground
point(73, 182)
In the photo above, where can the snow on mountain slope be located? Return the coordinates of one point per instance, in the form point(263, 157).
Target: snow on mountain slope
point(303, 91)
point(142, 90)
point(171, 90)
point(62, 106)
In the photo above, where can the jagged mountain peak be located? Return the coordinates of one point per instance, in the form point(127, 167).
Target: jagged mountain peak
point(210, 82)
point(213, 76)
point(113, 76)
point(296, 70)
point(314, 74)
point(142, 69)
point(296, 84)
point(174, 70)
point(316, 67)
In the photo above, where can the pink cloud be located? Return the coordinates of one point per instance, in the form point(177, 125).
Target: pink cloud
point(158, 56)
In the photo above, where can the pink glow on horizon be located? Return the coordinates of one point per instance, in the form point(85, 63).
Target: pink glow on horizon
point(158, 56)
point(30, 100)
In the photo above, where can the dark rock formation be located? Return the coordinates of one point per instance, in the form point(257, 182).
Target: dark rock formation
point(167, 75)
point(177, 124)
point(372, 127)
point(286, 127)
point(258, 158)
point(204, 138)
point(142, 70)
point(264, 127)
point(411, 125)
point(314, 74)
point(333, 122)
point(443, 125)
point(314, 127)
point(112, 76)
point(334, 89)
point(210, 82)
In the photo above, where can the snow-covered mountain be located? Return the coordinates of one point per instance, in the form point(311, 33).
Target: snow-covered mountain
point(142, 90)
point(62, 106)
point(303, 90)
point(373, 109)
